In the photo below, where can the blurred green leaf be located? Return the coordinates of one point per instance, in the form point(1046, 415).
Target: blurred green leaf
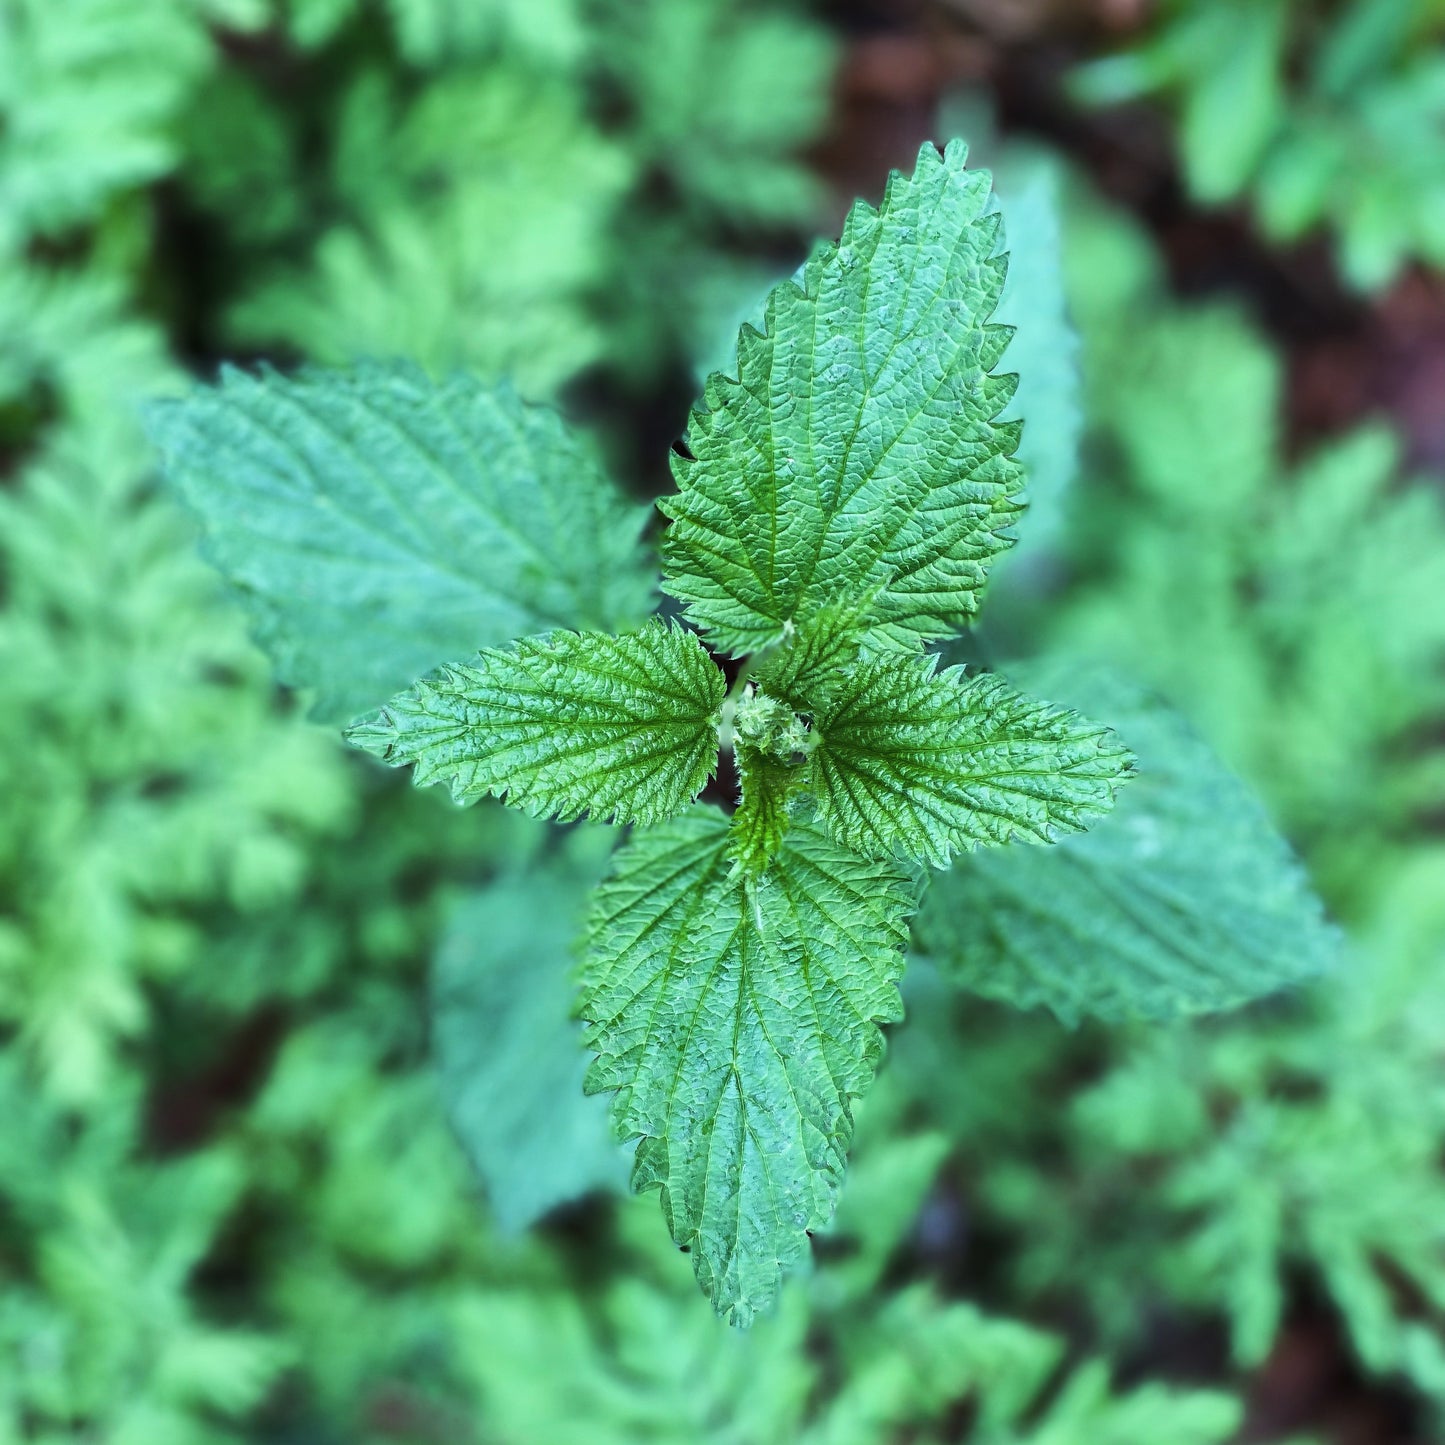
point(377, 524)
point(1043, 350)
point(1186, 899)
point(508, 1051)
point(77, 71)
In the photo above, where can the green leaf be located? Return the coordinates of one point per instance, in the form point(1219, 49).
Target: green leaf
point(377, 523)
point(73, 333)
point(449, 241)
point(313, 23)
point(926, 763)
point(769, 786)
point(89, 96)
point(1181, 375)
point(808, 659)
point(564, 724)
point(737, 1019)
point(856, 462)
point(1044, 349)
point(1234, 54)
point(1185, 900)
point(441, 32)
point(506, 1044)
point(725, 95)
point(771, 744)
point(1086, 1409)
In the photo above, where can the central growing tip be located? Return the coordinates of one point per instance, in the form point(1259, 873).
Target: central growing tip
point(771, 727)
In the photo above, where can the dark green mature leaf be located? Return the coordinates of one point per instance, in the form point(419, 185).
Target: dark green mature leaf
point(1185, 900)
point(914, 761)
point(856, 462)
point(506, 1044)
point(378, 523)
point(737, 1019)
point(564, 724)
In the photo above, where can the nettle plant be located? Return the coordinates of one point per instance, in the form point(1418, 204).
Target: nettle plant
point(840, 501)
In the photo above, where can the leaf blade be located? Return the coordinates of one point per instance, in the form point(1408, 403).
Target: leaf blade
point(931, 763)
point(564, 724)
point(856, 463)
point(506, 1045)
point(1185, 900)
point(737, 1019)
point(376, 523)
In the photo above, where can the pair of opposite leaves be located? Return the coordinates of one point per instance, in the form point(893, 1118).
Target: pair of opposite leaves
point(838, 510)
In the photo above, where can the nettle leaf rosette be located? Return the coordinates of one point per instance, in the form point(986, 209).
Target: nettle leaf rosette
point(840, 502)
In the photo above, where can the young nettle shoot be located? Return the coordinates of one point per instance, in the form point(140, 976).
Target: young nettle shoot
point(840, 499)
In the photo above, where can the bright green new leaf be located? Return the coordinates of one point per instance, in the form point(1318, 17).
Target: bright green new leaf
point(1185, 900)
point(769, 785)
point(377, 523)
point(809, 659)
point(564, 724)
point(856, 461)
point(929, 763)
point(737, 1019)
point(772, 746)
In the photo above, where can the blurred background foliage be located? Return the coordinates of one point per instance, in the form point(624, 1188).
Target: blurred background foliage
point(265, 1176)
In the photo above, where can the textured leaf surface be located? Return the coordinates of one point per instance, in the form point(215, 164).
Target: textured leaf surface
point(810, 658)
point(768, 786)
point(926, 763)
point(737, 1018)
point(771, 746)
point(564, 724)
point(506, 1044)
point(377, 523)
point(856, 460)
point(1185, 900)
